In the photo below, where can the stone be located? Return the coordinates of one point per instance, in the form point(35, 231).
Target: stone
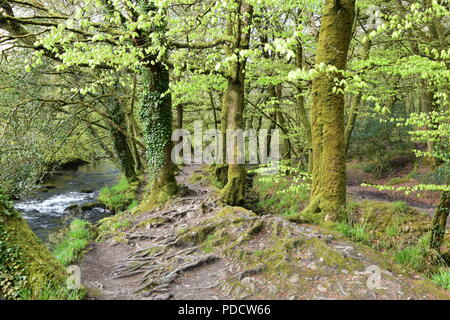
point(321, 288)
point(72, 207)
point(294, 279)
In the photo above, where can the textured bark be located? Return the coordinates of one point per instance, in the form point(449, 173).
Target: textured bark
point(302, 113)
point(440, 221)
point(221, 169)
point(121, 144)
point(328, 193)
point(156, 115)
point(234, 191)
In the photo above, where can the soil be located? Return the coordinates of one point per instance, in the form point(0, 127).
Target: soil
point(150, 263)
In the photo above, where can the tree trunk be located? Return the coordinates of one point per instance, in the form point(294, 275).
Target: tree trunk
point(328, 192)
point(121, 145)
point(353, 113)
point(221, 169)
point(156, 115)
point(234, 191)
point(440, 221)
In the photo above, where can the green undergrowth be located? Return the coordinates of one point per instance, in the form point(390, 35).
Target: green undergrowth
point(397, 230)
point(54, 292)
point(442, 278)
point(114, 227)
point(121, 196)
point(77, 239)
point(279, 196)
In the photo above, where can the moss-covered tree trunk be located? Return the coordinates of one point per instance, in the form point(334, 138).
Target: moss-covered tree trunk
point(221, 169)
point(156, 112)
point(121, 144)
point(440, 221)
point(26, 265)
point(234, 191)
point(328, 192)
point(156, 115)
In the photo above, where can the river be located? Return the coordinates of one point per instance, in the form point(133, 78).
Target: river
point(45, 210)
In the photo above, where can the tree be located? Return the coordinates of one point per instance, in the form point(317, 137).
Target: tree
point(328, 191)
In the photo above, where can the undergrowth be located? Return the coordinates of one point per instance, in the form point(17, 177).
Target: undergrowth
point(76, 240)
point(121, 196)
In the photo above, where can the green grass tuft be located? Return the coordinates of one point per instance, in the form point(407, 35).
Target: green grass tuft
point(442, 278)
point(78, 237)
point(121, 196)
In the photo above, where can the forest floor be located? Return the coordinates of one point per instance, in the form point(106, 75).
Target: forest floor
point(424, 201)
point(193, 248)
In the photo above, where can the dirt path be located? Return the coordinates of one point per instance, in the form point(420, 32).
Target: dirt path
point(152, 262)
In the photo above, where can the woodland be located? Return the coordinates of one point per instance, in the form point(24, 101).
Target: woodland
point(358, 89)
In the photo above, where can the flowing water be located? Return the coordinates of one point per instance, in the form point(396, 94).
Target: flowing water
point(45, 210)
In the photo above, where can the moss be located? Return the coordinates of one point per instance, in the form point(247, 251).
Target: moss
point(113, 226)
point(332, 258)
point(32, 264)
point(233, 193)
point(120, 196)
point(152, 222)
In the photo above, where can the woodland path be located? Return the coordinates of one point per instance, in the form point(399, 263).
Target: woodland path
point(152, 264)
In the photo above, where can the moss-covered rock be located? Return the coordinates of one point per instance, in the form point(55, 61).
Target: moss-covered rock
point(26, 265)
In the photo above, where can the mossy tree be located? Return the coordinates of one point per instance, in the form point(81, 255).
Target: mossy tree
point(239, 26)
point(121, 143)
point(328, 191)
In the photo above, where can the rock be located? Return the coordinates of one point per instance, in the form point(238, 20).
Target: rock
point(321, 288)
point(312, 266)
point(294, 279)
point(91, 205)
point(42, 189)
point(72, 207)
point(86, 190)
point(164, 296)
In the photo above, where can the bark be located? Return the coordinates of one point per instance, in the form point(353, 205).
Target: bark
point(122, 149)
point(221, 169)
point(156, 114)
point(234, 191)
point(328, 192)
point(302, 113)
point(440, 221)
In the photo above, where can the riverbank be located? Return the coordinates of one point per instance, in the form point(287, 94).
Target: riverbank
point(72, 190)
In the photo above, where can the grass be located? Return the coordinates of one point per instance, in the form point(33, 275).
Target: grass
point(411, 257)
point(52, 292)
point(121, 196)
point(356, 232)
point(280, 196)
point(442, 278)
point(76, 240)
